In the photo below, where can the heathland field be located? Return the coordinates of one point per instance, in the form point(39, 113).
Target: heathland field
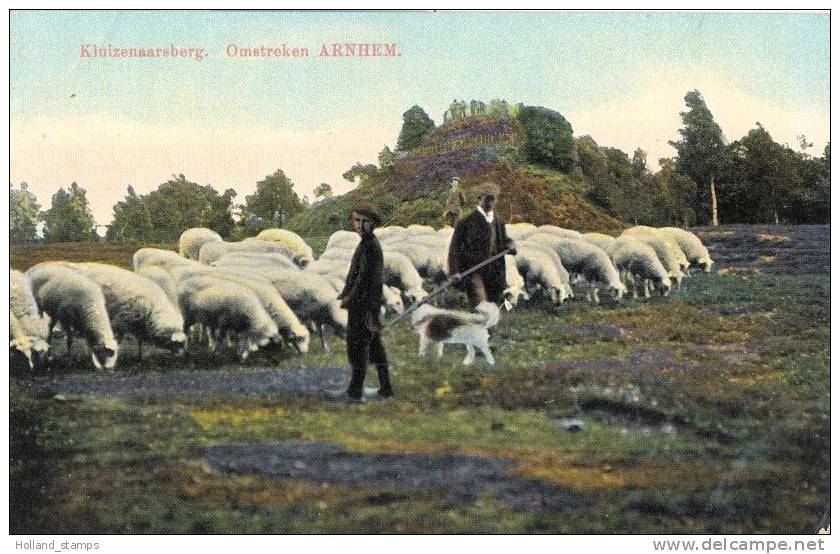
point(706, 411)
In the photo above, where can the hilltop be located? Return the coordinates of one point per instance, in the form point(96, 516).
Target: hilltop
point(412, 186)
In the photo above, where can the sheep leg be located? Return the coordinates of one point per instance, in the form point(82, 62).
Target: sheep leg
point(139, 349)
point(595, 295)
point(324, 338)
point(69, 341)
point(440, 350)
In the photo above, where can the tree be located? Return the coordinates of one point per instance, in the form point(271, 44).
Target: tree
point(69, 218)
point(548, 138)
point(416, 126)
point(387, 159)
point(676, 196)
point(163, 214)
point(24, 215)
point(274, 201)
point(364, 172)
point(701, 153)
point(322, 191)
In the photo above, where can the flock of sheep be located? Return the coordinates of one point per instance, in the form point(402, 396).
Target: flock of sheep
point(270, 290)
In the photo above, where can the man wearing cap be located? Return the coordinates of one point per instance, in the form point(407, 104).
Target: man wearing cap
point(454, 203)
point(362, 297)
point(476, 238)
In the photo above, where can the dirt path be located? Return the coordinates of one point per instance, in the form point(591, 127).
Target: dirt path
point(464, 478)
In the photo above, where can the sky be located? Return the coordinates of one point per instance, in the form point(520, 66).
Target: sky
point(229, 121)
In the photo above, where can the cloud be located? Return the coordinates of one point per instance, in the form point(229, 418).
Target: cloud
point(646, 113)
point(104, 155)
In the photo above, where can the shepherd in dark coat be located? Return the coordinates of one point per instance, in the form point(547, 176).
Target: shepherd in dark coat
point(362, 297)
point(477, 237)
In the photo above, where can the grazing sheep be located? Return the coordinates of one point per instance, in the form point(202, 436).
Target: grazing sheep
point(664, 251)
point(559, 232)
point(586, 259)
point(386, 233)
point(344, 239)
point(600, 240)
point(398, 271)
point(540, 270)
point(191, 241)
point(520, 231)
point(222, 306)
point(25, 309)
point(337, 253)
point(692, 247)
point(18, 340)
point(212, 251)
point(419, 230)
point(255, 259)
point(163, 278)
point(138, 306)
point(311, 296)
point(673, 246)
point(291, 330)
point(290, 240)
point(167, 259)
point(77, 303)
point(636, 259)
point(515, 283)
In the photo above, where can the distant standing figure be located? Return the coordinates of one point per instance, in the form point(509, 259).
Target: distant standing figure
point(455, 203)
point(476, 238)
point(362, 297)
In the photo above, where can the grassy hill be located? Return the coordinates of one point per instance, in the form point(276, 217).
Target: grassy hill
point(414, 188)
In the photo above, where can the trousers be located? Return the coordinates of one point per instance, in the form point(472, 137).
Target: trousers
point(364, 346)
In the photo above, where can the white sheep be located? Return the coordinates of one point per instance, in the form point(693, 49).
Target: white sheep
point(78, 305)
point(515, 289)
point(589, 261)
point(419, 230)
point(559, 231)
point(290, 240)
point(337, 253)
point(385, 233)
point(163, 278)
point(222, 306)
point(600, 240)
point(673, 246)
point(138, 306)
point(191, 241)
point(167, 259)
point(258, 259)
point(664, 251)
point(692, 247)
point(540, 270)
point(212, 251)
point(22, 303)
point(520, 231)
point(311, 296)
point(636, 260)
point(19, 341)
point(346, 239)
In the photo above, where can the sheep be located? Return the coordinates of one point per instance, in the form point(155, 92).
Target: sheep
point(692, 247)
point(345, 239)
point(559, 231)
point(391, 231)
point(664, 251)
point(290, 240)
point(163, 279)
point(420, 230)
point(221, 306)
point(138, 306)
point(167, 259)
point(22, 303)
point(520, 231)
point(259, 259)
point(19, 340)
point(600, 240)
point(539, 269)
point(292, 331)
point(636, 259)
point(672, 245)
point(311, 296)
point(581, 257)
point(337, 253)
point(191, 241)
point(515, 289)
point(76, 303)
point(212, 251)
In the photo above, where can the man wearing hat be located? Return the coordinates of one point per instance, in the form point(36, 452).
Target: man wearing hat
point(476, 238)
point(454, 203)
point(362, 297)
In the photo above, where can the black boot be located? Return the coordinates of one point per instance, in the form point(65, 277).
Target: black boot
point(385, 389)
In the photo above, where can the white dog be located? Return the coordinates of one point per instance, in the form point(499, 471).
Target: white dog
point(435, 325)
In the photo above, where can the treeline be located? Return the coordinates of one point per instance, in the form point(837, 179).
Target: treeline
point(159, 216)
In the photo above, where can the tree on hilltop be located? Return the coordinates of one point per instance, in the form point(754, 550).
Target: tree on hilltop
point(69, 218)
point(548, 138)
point(274, 201)
point(416, 126)
point(24, 214)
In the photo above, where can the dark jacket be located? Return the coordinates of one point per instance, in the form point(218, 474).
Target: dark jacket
point(470, 246)
point(363, 287)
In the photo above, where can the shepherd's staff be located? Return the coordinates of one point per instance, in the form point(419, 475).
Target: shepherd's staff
point(443, 287)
